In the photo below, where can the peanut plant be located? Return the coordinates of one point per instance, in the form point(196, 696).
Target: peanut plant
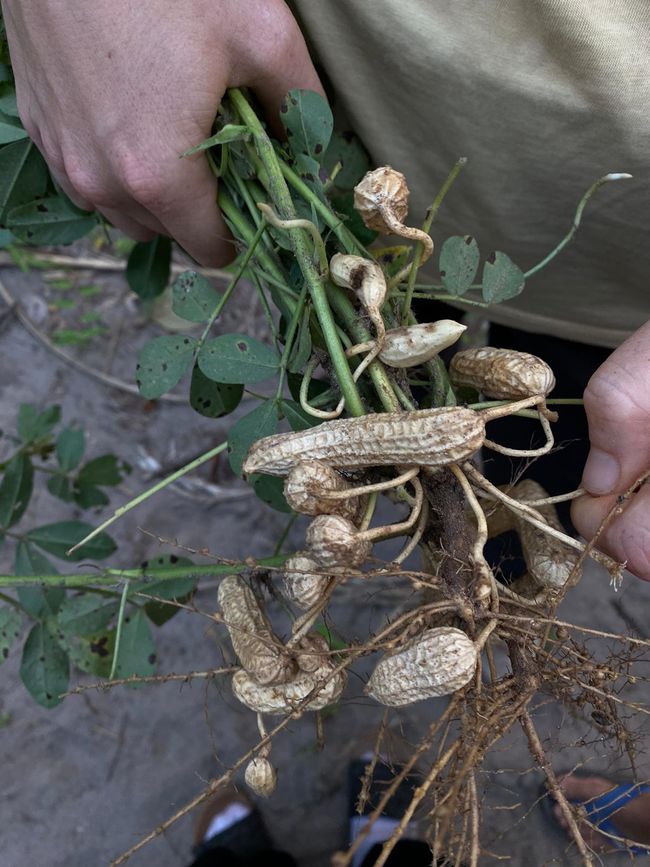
point(308, 215)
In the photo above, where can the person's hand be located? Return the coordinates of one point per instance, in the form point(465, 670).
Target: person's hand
point(617, 403)
point(113, 91)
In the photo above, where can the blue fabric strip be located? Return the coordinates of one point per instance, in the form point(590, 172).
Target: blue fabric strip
point(601, 810)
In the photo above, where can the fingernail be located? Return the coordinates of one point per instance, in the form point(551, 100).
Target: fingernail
point(601, 473)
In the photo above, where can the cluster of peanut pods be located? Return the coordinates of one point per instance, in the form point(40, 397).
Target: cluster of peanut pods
point(326, 478)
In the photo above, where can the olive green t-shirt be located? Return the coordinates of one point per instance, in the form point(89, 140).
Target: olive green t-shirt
point(542, 97)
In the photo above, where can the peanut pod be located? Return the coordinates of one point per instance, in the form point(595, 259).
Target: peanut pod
point(362, 276)
point(305, 583)
point(285, 697)
point(381, 199)
point(437, 662)
point(308, 481)
point(502, 374)
point(415, 344)
point(258, 649)
point(334, 541)
point(427, 437)
point(549, 561)
point(260, 776)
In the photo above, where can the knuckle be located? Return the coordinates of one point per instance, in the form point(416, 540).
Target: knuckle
point(86, 182)
point(142, 179)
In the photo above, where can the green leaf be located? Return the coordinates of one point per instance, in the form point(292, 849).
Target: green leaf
point(54, 220)
point(137, 651)
point(92, 654)
point(9, 104)
point(45, 668)
point(57, 538)
point(10, 625)
point(23, 175)
point(9, 132)
point(459, 260)
point(270, 490)
point(15, 490)
point(59, 486)
point(315, 389)
point(34, 425)
point(177, 589)
point(86, 614)
point(70, 445)
point(343, 204)
point(194, 297)
point(148, 267)
point(105, 470)
point(89, 497)
point(392, 259)
point(346, 149)
point(162, 363)
point(229, 133)
point(502, 279)
point(261, 422)
point(308, 120)
point(237, 358)
point(297, 417)
point(308, 170)
point(166, 589)
point(37, 601)
point(6, 238)
point(213, 399)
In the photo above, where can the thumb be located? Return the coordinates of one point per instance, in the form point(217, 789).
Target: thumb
point(617, 404)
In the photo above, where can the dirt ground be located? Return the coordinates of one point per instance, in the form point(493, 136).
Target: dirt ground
point(84, 781)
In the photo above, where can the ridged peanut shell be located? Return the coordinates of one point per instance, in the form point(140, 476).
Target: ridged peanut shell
point(260, 776)
point(312, 652)
point(363, 276)
point(333, 541)
point(411, 345)
point(549, 560)
point(438, 662)
point(502, 374)
point(305, 582)
point(305, 485)
point(285, 697)
point(378, 190)
point(426, 437)
point(258, 649)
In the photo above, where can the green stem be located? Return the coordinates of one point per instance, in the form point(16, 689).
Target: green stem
point(13, 602)
point(426, 226)
point(350, 318)
point(6, 461)
point(244, 230)
point(606, 179)
point(345, 236)
point(404, 399)
point(122, 510)
point(118, 633)
point(284, 205)
point(110, 577)
point(266, 309)
point(558, 401)
point(618, 176)
point(289, 341)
